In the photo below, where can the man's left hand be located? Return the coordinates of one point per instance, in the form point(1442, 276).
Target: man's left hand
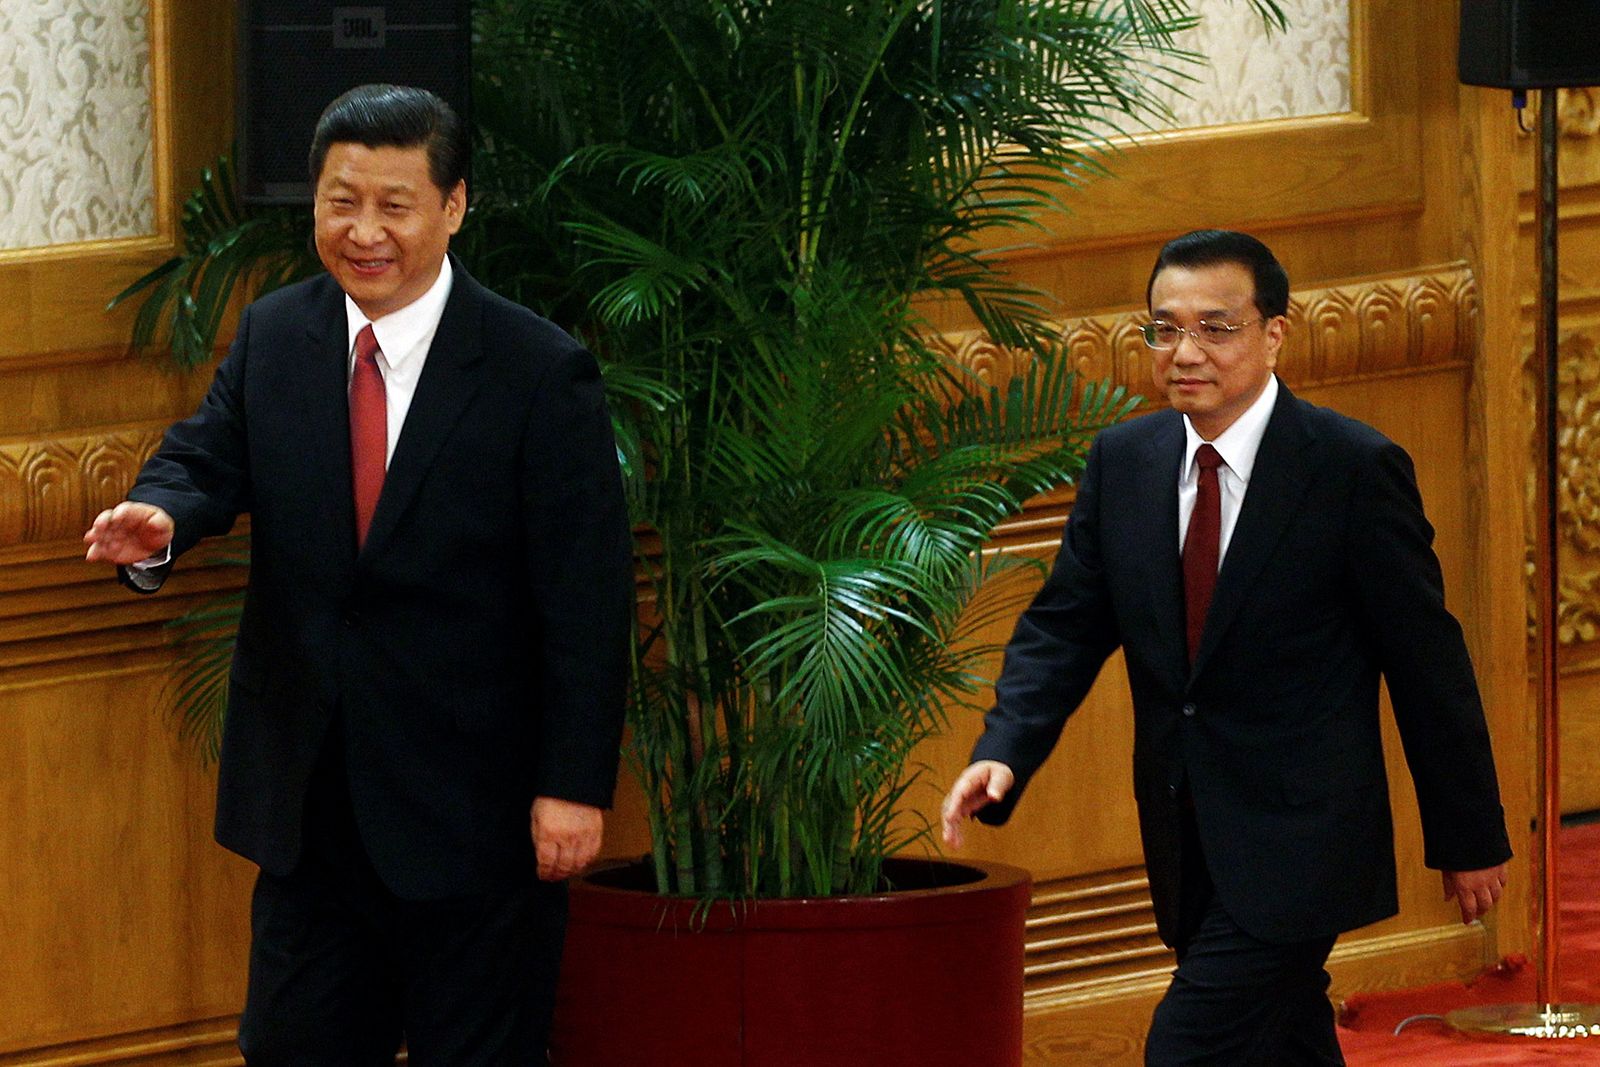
point(566, 836)
point(1475, 891)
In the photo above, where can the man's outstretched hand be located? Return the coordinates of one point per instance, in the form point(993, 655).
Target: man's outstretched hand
point(983, 783)
point(128, 533)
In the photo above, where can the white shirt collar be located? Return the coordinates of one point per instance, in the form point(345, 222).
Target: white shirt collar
point(1239, 443)
point(399, 333)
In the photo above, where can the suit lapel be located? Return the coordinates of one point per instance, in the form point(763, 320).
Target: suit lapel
point(326, 427)
point(444, 390)
point(1277, 484)
point(1156, 537)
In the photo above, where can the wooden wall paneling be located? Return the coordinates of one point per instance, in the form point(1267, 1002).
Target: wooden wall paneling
point(123, 926)
point(122, 912)
point(1482, 225)
point(1578, 121)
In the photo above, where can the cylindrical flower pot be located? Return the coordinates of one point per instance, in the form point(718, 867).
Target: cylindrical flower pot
point(914, 978)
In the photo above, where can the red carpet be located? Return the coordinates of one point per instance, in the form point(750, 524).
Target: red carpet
point(1367, 1030)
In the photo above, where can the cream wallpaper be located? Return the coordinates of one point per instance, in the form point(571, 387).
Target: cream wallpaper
point(75, 126)
point(1250, 76)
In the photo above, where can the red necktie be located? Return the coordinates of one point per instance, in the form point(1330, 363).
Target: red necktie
point(1201, 545)
point(369, 431)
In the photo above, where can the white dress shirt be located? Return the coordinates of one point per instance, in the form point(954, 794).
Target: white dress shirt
point(1237, 445)
point(404, 338)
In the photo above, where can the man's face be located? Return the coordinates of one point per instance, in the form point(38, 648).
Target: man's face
point(382, 226)
point(1213, 383)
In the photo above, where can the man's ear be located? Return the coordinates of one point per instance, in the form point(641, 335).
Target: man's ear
point(455, 205)
point(1276, 329)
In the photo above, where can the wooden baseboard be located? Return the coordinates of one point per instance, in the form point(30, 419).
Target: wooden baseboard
point(204, 1043)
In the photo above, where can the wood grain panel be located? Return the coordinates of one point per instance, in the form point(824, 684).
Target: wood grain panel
point(1579, 314)
point(120, 913)
point(122, 926)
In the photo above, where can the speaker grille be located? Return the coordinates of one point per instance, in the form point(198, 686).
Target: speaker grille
point(1556, 40)
point(297, 55)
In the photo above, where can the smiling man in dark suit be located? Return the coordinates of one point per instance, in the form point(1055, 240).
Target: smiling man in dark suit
point(427, 691)
point(1261, 562)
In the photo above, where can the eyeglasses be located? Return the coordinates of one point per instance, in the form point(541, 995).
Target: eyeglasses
point(1164, 335)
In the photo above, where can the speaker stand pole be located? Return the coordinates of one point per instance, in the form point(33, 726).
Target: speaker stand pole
point(1546, 1017)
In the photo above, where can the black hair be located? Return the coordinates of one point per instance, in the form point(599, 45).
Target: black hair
point(1205, 248)
point(397, 116)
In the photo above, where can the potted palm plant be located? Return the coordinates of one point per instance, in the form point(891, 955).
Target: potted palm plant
point(748, 209)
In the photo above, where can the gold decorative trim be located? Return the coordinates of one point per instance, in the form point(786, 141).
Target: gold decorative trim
point(50, 490)
point(1578, 112)
point(1366, 328)
point(1577, 485)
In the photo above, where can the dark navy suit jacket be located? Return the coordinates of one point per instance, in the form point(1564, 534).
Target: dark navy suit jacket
point(1330, 580)
point(476, 649)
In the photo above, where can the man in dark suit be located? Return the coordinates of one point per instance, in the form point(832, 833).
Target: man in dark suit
point(427, 691)
point(1261, 562)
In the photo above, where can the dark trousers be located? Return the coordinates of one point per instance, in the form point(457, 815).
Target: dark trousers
point(341, 970)
point(1236, 1001)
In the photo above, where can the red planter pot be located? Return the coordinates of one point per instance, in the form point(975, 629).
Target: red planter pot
point(914, 978)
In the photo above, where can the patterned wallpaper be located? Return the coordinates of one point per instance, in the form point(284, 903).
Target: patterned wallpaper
point(75, 126)
point(1250, 77)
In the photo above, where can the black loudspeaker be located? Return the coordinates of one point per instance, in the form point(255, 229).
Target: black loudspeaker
point(295, 56)
point(1530, 44)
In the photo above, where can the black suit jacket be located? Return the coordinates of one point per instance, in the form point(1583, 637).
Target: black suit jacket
point(476, 648)
point(1329, 581)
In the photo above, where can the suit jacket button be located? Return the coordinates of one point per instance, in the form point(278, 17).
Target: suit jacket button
point(1188, 711)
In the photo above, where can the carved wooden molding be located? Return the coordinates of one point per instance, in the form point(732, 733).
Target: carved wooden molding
point(51, 489)
point(1363, 329)
point(1577, 113)
point(1577, 485)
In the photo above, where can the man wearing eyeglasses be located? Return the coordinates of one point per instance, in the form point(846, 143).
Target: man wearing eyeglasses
point(1261, 562)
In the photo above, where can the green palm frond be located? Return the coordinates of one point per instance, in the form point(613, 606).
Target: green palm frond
point(224, 248)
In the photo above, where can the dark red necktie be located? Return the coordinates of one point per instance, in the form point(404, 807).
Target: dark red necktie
point(1201, 545)
point(369, 431)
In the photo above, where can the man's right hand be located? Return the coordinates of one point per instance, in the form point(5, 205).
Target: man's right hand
point(985, 782)
point(128, 533)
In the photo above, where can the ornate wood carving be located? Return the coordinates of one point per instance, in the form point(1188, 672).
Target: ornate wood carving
point(1578, 112)
point(1371, 327)
point(1577, 485)
point(51, 489)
